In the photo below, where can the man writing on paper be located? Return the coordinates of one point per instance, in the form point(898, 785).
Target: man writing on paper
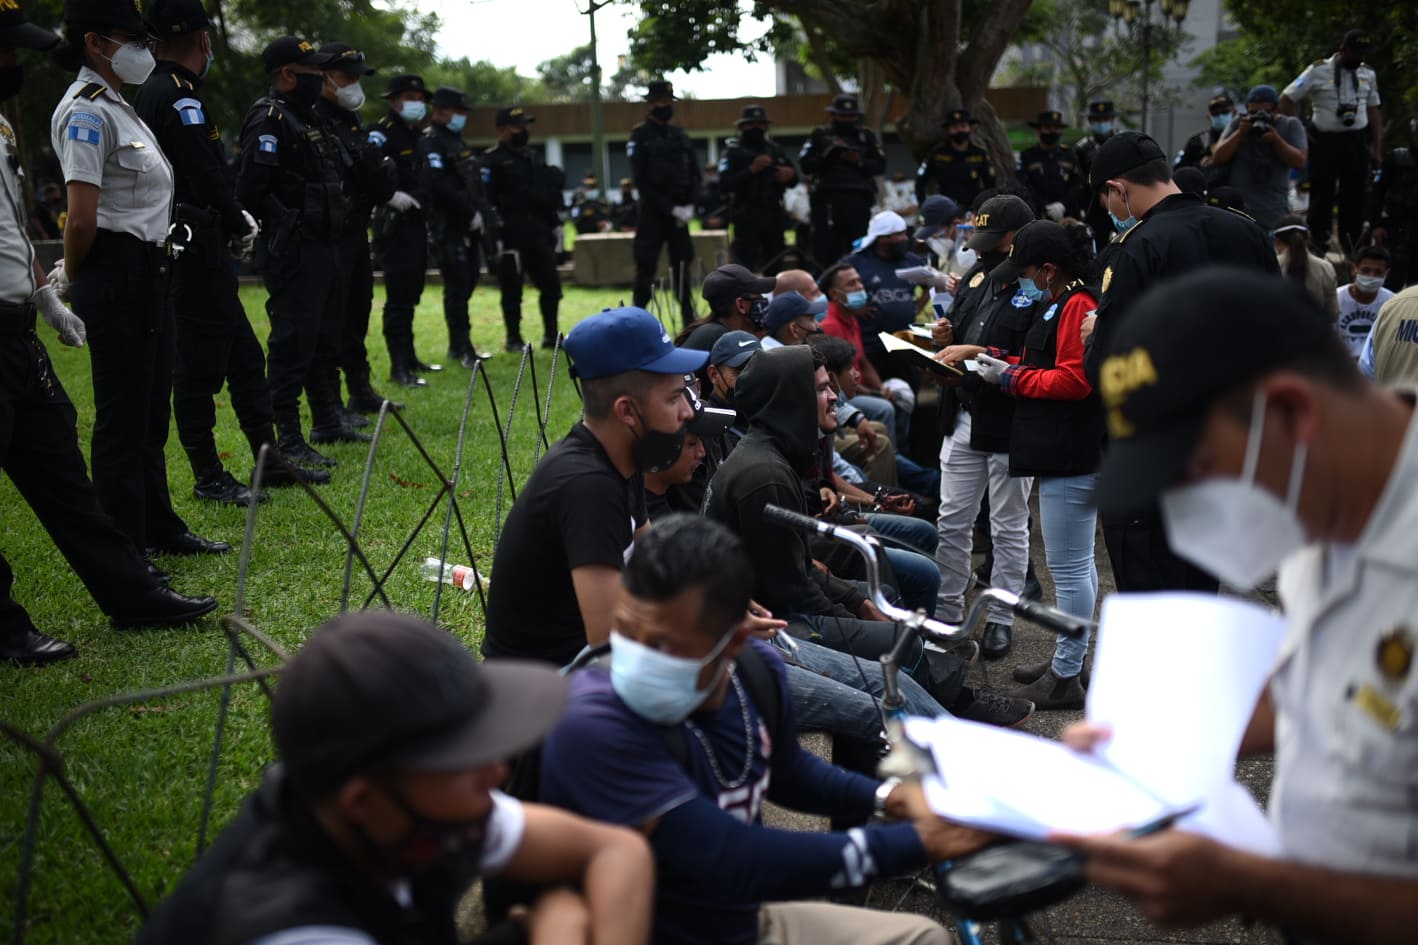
point(1264, 453)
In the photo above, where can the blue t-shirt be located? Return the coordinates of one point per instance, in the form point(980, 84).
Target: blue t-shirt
point(894, 296)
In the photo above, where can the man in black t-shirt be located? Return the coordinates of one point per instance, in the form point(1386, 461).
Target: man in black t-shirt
point(573, 524)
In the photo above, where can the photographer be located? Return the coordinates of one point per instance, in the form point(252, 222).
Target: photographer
point(1261, 147)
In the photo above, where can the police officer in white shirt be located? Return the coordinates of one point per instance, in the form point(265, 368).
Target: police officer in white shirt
point(1345, 135)
point(115, 255)
point(1266, 456)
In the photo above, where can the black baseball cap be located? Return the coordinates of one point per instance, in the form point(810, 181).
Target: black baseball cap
point(346, 58)
point(938, 212)
point(754, 113)
point(445, 96)
point(399, 84)
point(176, 17)
point(1190, 180)
point(1036, 243)
point(1049, 118)
point(846, 106)
point(515, 116)
point(734, 348)
point(957, 116)
point(17, 31)
point(291, 50)
point(1164, 369)
point(1357, 40)
point(125, 15)
point(997, 216)
point(1101, 109)
point(1220, 103)
point(1123, 152)
point(707, 421)
point(375, 690)
point(727, 283)
point(659, 88)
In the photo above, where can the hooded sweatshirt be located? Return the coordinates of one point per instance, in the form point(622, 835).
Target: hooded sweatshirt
point(776, 393)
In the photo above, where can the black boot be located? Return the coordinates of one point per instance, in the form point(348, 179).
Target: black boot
point(363, 397)
point(327, 426)
point(294, 448)
point(401, 373)
point(221, 486)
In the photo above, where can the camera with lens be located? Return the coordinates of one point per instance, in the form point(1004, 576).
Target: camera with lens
point(1347, 114)
point(1261, 122)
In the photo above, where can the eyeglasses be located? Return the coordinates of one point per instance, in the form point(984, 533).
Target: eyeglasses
point(142, 42)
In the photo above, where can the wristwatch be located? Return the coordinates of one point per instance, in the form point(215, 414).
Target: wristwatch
point(883, 791)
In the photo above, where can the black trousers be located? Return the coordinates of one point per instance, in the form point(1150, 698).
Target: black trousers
point(357, 298)
point(121, 293)
point(838, 218)
point(39, 451)
point(304, 307)
point(758, 238)
point(215, 346)
point(404, 251)
point(460, 264)
point(1142, 559)
point(654, 231)
point(535, 260)
point(1339, 173)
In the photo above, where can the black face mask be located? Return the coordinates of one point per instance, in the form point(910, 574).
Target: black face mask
point(753, 137)
point(519, 138)
point(899, 250)
point(960, 137)
point(429, 847)
point(655, 450)
point(307, 88)
point(12, 79)
point(1050, 138)
point(758, 312)
point(662, 112)
point(844, 128)
point(1351, 64)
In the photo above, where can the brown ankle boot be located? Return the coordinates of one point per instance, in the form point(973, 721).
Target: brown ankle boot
point(1052, 692)
point(1030, 672)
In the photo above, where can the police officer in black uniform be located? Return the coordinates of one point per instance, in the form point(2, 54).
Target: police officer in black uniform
point(1197, 152)
point(589, 211)
point(955, 167)
point(457, 217)
point(1393, 211)
point(214, 340)
point(843, 160)
point(666, 170)
point(369, 181)
point(1050, 171)
point(400, 227)
point(753, 174)
point(289, 173)
point(526, 193)
point(39, 442)
point(1102, 125)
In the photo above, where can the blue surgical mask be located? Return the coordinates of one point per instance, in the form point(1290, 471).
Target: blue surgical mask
point(1101, 127)
point(1031, 291)
point(413, 110)
point(1220, 122)
point(457, 123)
point(207, 66)
point(656, 686)
point(1119, 224)
point(857, 299)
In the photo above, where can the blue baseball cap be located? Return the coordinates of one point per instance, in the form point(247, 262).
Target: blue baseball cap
point(937, 213)
point(1264, 93)
point(617, 340)
point(733, 349)
point(784, 309)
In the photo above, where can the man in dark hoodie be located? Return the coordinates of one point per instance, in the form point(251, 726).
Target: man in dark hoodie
point(781, 393)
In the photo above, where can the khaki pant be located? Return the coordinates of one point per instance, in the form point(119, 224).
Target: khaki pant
point(823, 923)
point(879, 464)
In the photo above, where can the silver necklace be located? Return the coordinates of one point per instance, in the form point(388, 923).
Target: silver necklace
point(749, 741)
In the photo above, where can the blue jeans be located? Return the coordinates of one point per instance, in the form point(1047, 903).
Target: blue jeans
point(916, 534)
point(917, 574)
point(833, 692)
point(1069, 521)
point(922, 480)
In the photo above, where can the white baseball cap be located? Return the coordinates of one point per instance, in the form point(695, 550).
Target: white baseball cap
point(884, 223)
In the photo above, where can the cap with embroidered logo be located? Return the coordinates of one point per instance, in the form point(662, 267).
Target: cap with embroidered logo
point(1101, 109)
point(292, 51)
point(514, 116)
point(346, 58)
point(125, 15)
point(1049, 118)
point(996, 217)
point(846, 106)
point(445, 96)
point(753, 113)
point(734, 348)
point(176, 17)
point(658, 89)
point(957, 116)
point(399, 84)
point(617, 340)
point(15, 30)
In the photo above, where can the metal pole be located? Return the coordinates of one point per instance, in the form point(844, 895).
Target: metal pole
point(1146, 61)
point(598, 129)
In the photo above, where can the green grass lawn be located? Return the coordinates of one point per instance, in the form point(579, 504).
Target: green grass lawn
point(142, 768)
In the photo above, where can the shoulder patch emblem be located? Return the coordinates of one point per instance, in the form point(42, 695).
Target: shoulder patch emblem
point(975, 282)
point(435, 160)
point(1107, 278)
point(85, 127)
point(630, 148)
point(190, 111)
point(1021, 300)
point(266, 144)
point(1053, 309)
point(377, 138)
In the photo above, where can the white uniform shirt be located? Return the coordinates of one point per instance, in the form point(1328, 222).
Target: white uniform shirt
point(16, 254)
point(1359, 87)
point(1356, 319)
point(100, 140)
point(1345, 795)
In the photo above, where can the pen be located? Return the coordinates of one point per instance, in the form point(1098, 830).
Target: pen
point(1162, 823)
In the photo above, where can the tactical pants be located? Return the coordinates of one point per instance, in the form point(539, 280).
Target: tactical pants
point(758, 239)
point(121, 293)
point(405, 258)
point(39, 451)
point(1339, 171)
point(652, 232)
point(1142, 560)
point(459, 263)
point(215, 346)
point(304, 307)
point(357, 298)
point(535, 259)
point(838, 218)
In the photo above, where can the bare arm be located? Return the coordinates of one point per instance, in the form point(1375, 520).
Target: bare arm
point(1225, 150)
point(1286, 106)
point(596, 587)
point(611, 865)
point(81, 227)
point(1259, 737)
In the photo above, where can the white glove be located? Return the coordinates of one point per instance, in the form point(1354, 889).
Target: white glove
point(991, 369)
point(937, 280)
point(683, 213)
point(1054, 211)
point(558, 236)
point(59, 279)
point(477, 224)
point(70, 326)
point(403, 202)
point(240, 246)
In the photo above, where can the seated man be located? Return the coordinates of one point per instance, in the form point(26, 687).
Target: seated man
point(384, 807)
point(736, 303)
point(565, 539)
point(848, 308)
point(680, 658)
point(801, 282)
point(791, 320)
point(670, 490)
